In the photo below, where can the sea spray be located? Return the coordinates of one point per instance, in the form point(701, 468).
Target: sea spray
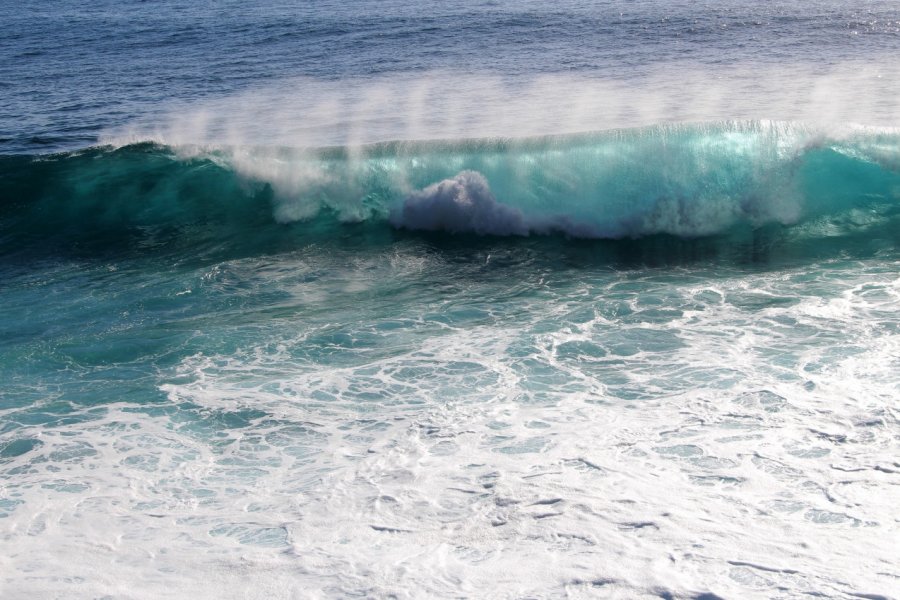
point(449, 104)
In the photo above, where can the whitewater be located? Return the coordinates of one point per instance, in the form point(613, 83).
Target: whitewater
point(469, 300)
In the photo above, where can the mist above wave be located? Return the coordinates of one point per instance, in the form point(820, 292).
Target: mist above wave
point(307, 112)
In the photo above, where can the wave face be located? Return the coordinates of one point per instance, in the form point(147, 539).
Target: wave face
point(687, 181)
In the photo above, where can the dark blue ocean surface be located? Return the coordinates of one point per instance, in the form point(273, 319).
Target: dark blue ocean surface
point(463, 299)
point(69, 70)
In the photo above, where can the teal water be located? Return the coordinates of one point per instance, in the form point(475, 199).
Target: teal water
point(687, 180)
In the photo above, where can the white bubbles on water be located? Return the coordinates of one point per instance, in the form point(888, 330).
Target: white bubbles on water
point(534, 431)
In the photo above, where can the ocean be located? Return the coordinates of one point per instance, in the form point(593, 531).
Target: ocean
point(469, 299)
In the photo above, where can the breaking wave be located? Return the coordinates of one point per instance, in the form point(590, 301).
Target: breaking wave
point(687, 181)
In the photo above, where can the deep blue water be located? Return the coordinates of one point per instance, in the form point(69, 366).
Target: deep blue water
point(463, 299)
point(70, 70)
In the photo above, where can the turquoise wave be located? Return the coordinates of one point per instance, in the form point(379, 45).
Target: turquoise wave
point(686, 181)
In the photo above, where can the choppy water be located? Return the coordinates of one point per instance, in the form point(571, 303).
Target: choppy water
point(471, 300)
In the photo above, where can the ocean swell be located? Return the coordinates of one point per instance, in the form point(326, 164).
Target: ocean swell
point(687, 181)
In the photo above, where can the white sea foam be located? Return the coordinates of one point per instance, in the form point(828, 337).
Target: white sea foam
point(627, 435)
